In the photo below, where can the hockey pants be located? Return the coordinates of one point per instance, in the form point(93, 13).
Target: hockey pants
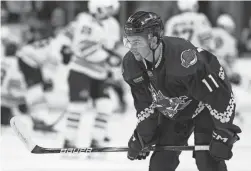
point(177, 133)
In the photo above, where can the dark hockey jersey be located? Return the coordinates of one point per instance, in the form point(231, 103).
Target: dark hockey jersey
point(185, 80)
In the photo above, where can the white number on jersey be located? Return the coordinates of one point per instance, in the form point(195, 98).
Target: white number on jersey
point(212, 80)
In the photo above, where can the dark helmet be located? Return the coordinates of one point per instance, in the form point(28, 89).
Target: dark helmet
point(144, 23)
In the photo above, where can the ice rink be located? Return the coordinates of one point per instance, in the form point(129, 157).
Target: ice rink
point(15, 157)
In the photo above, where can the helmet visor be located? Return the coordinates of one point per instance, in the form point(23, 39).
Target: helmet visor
point(137, 42)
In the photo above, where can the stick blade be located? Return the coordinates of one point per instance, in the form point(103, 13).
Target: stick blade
point(22, 132)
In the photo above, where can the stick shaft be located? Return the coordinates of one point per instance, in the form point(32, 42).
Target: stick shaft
point(41, 150)
point(22, 133)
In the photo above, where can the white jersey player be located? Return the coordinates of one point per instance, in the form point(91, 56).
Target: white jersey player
point(33, 59)
point(95, 34)
point(12, 88)
point(225, 45)
point(190, 25)
point(225, 48)
point(90, 35)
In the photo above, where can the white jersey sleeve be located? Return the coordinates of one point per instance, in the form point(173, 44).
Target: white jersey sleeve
point(44, 53)
point(35, 54)
point(194, 27)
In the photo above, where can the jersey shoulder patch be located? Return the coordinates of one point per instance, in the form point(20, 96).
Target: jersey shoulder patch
point(188, 58)
point(182, 58)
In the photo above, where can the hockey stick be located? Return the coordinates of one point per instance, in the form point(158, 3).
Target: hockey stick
point(22, 133)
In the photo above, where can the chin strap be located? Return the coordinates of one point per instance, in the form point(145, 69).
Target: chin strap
point(153, 51)
point(153, 64)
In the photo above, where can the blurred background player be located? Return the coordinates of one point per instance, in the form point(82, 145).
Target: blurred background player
point(94, 35)
point(225, 48)
point(12, 84)
point(190, 25)
point(225, 45)
point(246, 37)
point(34, 59)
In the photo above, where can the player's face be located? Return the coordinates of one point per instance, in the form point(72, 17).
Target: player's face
point(138, 45)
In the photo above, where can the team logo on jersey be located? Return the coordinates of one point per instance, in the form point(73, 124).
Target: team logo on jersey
point(188, 58)
point(169, 106)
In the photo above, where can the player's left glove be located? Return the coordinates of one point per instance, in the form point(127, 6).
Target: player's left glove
point(137, 149)
point(222, 142)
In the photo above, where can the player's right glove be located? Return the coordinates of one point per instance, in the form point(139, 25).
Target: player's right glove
point(222, 142)
point(66, 54)
point(136, 148)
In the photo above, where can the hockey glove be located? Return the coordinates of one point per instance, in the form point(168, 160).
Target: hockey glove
point(47, 85)
point(23, 108)
point(66, 54)
point(222, 142)
point(136, 148)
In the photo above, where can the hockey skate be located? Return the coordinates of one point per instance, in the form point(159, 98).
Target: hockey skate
point(69, 144)
point(98, 144)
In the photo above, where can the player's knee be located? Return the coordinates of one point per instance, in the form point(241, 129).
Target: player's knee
point(205, 162)
point(164, 161)
point(104, 105)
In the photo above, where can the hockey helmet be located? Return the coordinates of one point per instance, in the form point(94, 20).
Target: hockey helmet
point(144, 23)
point(227, 22)
point(187, 5)
point(105, 7)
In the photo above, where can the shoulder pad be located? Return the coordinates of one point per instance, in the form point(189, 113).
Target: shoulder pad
point(183, 59)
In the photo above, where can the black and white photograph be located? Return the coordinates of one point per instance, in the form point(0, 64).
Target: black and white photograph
point(109, 85)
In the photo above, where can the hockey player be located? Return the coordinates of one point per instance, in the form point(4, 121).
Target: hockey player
point(33, 59)
point(12, 85)
point(190, 25)
point(225, 48)
point(173, 82)
point(225, 45)
point(94, 33)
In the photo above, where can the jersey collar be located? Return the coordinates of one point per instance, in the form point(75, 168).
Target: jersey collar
point(159, 60)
